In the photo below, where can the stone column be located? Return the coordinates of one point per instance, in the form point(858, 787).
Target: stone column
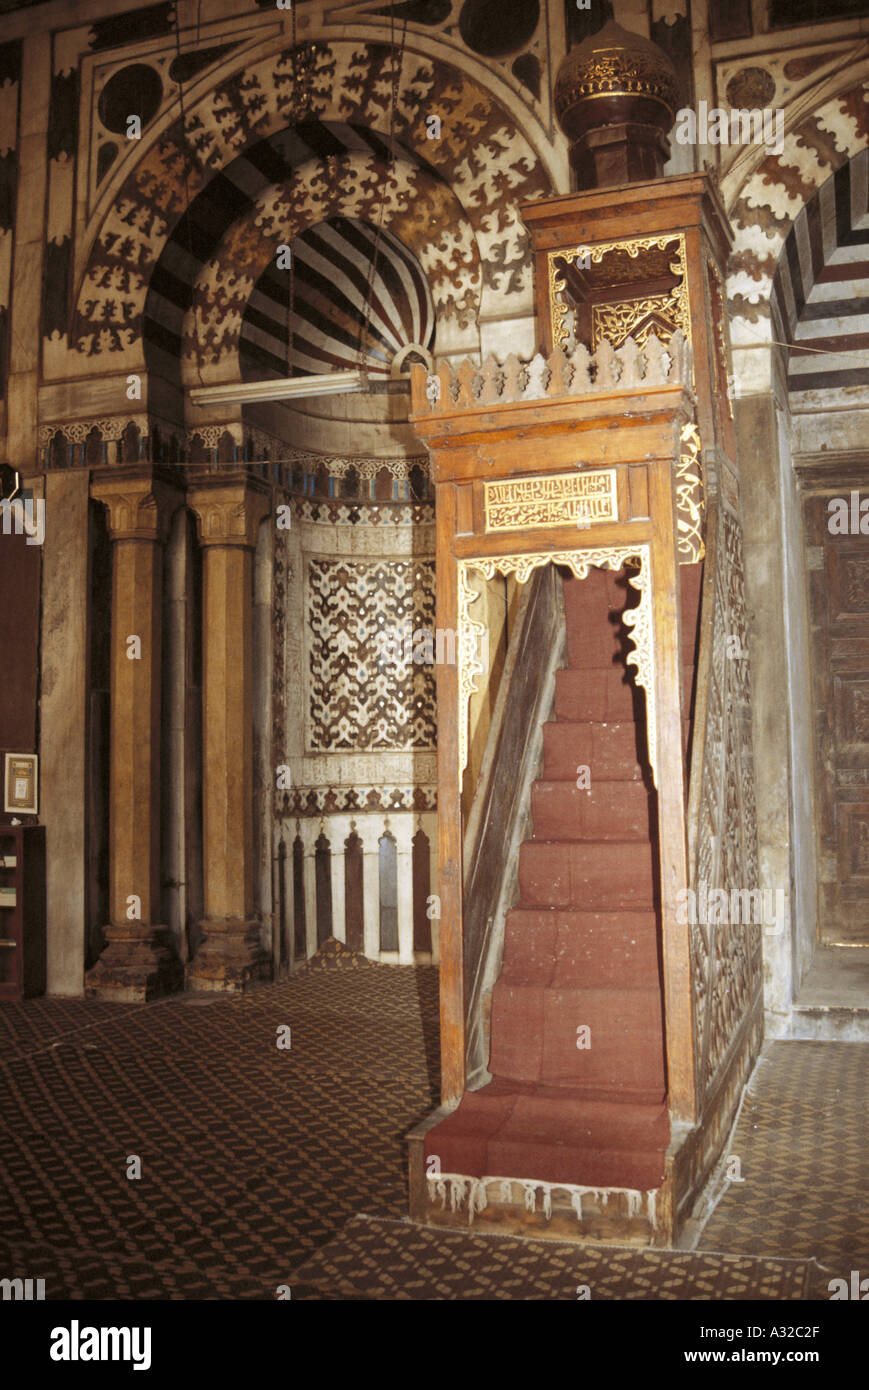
point(63, 726)
point(175, 805)
point(139, 961)
point(229, 506)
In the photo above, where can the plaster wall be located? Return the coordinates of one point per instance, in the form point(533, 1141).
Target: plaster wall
point(803, 888)
point(766, 600)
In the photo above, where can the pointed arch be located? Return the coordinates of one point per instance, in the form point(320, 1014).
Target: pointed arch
point(420, 212)
point(771, 199)
point(251, 130)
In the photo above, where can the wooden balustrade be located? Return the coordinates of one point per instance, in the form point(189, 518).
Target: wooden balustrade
point(499, 814)
point(629, 367)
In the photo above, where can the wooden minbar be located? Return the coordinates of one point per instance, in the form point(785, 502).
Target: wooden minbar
point(594, 281)
point(608, 450)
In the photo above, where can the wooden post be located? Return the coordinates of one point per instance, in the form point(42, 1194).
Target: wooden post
point(673, 849)
point(452, 971)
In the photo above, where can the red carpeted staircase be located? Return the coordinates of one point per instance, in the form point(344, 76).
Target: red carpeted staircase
point(581, 947)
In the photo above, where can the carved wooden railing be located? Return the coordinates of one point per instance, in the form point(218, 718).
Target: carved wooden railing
point(498, 820)
point(629, 367)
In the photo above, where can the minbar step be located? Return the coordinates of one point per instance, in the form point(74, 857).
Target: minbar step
point(551, 1135)
point(568, 947)
point(609, 751)
point(537, 1172)
point(605, 1041)
point(604, 811)
point(603, 875)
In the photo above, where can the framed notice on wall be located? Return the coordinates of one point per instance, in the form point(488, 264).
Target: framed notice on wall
point(20, 793)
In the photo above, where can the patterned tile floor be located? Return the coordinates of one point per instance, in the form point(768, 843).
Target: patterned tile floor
point(255, 1158)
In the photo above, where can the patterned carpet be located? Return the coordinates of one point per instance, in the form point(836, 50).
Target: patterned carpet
point(391, 1260)
point(803, 1145)
point(252, 1156)
point(256, 1160)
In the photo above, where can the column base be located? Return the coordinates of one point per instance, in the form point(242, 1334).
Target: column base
point(135, 968)
point(230, 958)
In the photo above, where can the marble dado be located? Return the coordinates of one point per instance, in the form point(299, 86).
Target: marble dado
point(356, 781)
point(335, 829)
point(357, 697)
point(351, 769)
point(371, 538)
point(315, 801)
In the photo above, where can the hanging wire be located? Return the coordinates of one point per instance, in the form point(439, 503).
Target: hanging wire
point(397, 64)
point(186, 213)
point(291, 288)
point(796, 347)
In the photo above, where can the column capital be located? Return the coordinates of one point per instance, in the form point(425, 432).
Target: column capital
point(229, 510)
point(140, 502)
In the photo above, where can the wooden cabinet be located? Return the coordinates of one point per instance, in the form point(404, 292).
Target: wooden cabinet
point(22, 911)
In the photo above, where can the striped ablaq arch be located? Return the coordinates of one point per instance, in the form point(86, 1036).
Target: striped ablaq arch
point(359, 298)
point(255, 131)
point(788, 191)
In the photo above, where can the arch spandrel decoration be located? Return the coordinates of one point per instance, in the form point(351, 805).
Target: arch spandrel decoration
point(764, 204)
point(639, 620)
point(344, 85)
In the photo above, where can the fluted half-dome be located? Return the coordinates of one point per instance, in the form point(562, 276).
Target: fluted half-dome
point(358, 299)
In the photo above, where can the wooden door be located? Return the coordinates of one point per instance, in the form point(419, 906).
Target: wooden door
point(838, 589)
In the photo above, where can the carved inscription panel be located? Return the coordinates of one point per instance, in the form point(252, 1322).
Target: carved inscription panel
point(564, 499)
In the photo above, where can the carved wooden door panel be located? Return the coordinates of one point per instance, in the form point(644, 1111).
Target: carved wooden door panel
point(838, 577)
